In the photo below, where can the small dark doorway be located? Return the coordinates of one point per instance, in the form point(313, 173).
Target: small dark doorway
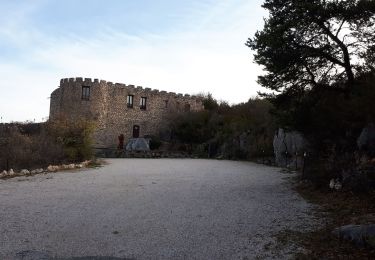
point(136, 131)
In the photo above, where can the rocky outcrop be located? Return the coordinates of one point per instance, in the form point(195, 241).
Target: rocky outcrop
point(289, 148)
point(138, 144)
point(366, 140)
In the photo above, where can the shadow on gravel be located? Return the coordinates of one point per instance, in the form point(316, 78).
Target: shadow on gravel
point(35, 255)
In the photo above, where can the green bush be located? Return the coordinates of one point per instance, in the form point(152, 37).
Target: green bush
point(155, 142)
point(74, 136)
point(221, 124)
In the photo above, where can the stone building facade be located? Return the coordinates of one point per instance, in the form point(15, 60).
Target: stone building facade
point(118, 108)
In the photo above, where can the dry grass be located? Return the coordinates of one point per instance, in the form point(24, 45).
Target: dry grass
point(337, 209)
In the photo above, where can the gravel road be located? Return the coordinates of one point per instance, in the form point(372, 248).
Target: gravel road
point(151, 209)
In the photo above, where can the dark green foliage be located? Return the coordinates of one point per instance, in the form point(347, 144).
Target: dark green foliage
point(223, 128)
point(319, 58)
point(194, 128)
point(329, 116)
point(306, 43)
point(209, 102)
point(155, 142)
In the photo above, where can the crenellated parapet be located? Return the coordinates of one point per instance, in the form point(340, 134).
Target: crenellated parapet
point(79, 81)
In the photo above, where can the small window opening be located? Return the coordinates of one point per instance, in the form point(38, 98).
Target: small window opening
point(85, 93)
point(129, 101)
point(143, 103)
point(187, 107)
point(166, 103)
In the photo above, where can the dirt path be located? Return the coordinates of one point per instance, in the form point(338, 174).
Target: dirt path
point(152, 209)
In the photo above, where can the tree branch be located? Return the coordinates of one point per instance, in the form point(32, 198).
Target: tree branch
point(339, 29)
point(346, 64)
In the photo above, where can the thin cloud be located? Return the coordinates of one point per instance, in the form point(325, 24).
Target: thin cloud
point(210, 56)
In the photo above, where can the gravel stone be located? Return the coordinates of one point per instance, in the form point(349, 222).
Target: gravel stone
point(152, 209)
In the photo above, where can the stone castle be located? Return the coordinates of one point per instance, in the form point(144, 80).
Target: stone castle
point(118, 109)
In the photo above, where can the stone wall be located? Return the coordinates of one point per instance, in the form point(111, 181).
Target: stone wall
point(107, 107)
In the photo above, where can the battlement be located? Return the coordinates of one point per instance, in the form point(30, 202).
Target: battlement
point(78, 80)
point(93, 82)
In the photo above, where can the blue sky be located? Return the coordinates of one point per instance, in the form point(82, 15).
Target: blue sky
point(182, 46)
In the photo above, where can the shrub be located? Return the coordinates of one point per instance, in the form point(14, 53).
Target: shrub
point(27, 145)
point(221, 125)
point(74, 136)
point(155, 142)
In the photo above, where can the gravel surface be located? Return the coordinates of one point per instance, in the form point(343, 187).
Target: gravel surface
point(151, 209)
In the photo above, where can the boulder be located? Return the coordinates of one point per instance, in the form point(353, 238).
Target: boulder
point(11, 172)
point(79, 165)
point(53, 168)
point(3, 174)
point(335, 184)
point(366, 140)
point(332, 184)
point(361, 235)
point(68, 166)
point(25, 172)
point(85, 163)
point(286, 145)
point(138, 144)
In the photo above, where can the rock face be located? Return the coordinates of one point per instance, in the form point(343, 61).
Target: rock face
point(138, 144)
point(360, 235)
point(366, 140)
point(286, 145)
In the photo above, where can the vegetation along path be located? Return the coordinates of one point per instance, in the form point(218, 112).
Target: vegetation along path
point(152, 209)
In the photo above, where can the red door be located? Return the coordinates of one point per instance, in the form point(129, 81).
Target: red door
point(136, 131)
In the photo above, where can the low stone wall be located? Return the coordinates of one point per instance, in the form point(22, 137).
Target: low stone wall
point(51, 168)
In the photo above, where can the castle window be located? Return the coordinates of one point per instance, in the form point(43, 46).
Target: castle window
point(129, 101)
point(143, 103)
point(85, 93)
point(187, 107)
point(166, 103)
